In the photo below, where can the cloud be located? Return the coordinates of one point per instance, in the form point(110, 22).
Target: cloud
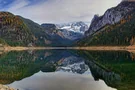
point(60, 11)
point(17, 5)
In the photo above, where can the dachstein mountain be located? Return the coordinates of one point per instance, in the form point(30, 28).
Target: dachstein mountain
point(65, 34)
point(73, 30)
point(111, 16)
point(115, 27)
point(79, 27)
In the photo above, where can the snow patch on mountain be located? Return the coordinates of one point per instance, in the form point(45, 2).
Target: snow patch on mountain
point(79, 27)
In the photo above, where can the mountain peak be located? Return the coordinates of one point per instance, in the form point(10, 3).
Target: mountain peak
point(78, 26)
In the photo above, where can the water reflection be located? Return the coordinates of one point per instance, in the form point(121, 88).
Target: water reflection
point(68, 70)
point(98, 72)
point(117, 68)
point(60, 81)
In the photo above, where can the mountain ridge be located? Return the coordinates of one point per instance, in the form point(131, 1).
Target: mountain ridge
point(121, 33)
point(111, 16)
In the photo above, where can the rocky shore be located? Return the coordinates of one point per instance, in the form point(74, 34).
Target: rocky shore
point(3, 87)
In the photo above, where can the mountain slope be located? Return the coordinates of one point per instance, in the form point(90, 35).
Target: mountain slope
point(13, 31)
point(49, 35)
point(120, 33)
point(70, 35)
point(111, 16)
point(19, 31)
point(39, 34)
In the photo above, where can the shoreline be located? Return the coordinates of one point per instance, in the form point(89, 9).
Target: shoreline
point(92, 48)
point(5, 87)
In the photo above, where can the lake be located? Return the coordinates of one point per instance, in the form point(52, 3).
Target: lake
point(68, 70)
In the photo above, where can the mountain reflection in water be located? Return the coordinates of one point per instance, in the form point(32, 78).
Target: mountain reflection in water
point(60, 81)
point(67, 70)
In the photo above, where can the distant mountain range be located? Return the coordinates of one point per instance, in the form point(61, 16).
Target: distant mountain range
point(71, 31)
point(66, 34)
point(19, 31)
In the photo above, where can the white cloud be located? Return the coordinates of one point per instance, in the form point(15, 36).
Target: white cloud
point(57, 11)
point(18, 5)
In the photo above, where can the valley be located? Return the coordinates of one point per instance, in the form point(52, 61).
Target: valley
point(115, 28)
point(59, 46)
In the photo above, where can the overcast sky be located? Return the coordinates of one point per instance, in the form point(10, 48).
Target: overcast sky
point(57, 11)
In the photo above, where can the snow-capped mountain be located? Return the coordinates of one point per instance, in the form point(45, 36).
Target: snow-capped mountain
point(79, 27)
point(70, 31)
point(64, 34)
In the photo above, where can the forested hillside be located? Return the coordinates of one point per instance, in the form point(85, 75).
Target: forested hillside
point(13, 31)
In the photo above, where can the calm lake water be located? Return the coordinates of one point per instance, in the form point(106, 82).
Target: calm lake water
point(68, 70)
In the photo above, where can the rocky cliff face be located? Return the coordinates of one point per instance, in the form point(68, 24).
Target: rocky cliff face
point(111, 16)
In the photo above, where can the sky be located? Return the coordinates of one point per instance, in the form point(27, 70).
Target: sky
point(57, 11)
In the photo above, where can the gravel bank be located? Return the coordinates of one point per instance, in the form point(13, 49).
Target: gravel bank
point(3, 87)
